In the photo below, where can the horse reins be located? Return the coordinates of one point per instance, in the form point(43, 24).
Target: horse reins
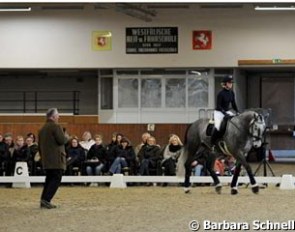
point(251, 130)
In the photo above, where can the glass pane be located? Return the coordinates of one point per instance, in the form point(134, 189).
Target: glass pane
point(280, 102)
point(151, 93)
point(175, 92)
point(106, 90)
point(128, 93)
point(198, 92)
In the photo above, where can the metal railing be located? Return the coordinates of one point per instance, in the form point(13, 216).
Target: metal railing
point(39, 101)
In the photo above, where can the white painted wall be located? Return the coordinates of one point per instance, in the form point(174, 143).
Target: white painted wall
point(62, 39)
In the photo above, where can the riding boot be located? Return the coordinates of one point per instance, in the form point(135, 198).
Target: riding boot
point(214, 137)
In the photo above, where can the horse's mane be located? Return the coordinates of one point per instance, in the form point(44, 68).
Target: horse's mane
point(265, 113)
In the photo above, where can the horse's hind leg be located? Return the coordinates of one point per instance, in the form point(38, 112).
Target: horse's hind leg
point(188, 171)
point(210, 166)
point(234, 182)
point(188, 168)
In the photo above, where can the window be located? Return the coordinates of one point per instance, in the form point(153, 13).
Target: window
point(280, 102)
point(175, 93)
point(106, 89)
point(198, 92)
point(159, 88)
point(151, 93)
point(128, 93)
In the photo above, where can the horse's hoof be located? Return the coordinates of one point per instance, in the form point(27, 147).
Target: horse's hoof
point(218, 188)
point(187, 190)
point(255, 188)
point(234, 191)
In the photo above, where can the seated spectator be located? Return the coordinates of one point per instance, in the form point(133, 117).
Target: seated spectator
point(113, 141)
point(148, 156)
point(199, 164)
point(8, 140)
point(87, 141)
point(124, 157)
point(171, 152)
point(229, 164)
point(116, 138)
point(198, 168)
point(31, 142)
point(5, 157)
point(144, 138)
point(219, 166)
point(75, 156)
point(96, 157)
point(20, 152)
point(32, 136)
point(32, 150)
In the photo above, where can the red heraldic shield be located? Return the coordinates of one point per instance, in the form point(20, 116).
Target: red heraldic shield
point(202, 40)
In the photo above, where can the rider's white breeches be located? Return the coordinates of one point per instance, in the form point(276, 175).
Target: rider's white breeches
point(218, 117)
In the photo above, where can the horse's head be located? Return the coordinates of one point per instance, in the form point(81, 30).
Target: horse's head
point(257, 129)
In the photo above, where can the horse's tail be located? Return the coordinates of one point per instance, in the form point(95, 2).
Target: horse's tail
point(180, 169)
point(185, 135)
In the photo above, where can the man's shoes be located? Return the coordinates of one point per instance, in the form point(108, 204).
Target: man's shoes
point(46, 205)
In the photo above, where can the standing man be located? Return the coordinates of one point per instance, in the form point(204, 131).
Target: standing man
point(52, 150)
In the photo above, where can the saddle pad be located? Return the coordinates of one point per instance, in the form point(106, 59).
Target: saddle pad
point(209, 129)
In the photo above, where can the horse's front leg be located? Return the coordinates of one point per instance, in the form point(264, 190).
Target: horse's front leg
point(254, 185)
point(210, 166)
point(234, 182)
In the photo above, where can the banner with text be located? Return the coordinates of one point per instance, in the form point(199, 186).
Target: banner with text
point(145, 40)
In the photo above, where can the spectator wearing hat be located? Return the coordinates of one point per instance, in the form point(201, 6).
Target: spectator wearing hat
point(225, 98)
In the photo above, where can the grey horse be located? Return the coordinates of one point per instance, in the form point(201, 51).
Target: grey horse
point(242, 133)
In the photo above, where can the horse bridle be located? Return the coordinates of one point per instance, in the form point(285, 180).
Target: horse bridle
point(257, 129)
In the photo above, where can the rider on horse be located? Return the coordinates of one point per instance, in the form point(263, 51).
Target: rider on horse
point(224, 98)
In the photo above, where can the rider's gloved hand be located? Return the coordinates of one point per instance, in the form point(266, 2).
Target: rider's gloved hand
point(226, 115)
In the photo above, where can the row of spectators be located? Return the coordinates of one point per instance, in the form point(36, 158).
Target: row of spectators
point(22, 149)
point(120, 156)
point(91, 156)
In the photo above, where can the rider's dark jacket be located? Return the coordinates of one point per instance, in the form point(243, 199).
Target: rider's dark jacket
point(224, 98)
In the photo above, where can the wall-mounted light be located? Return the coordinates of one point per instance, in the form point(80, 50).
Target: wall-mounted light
point(274, 8)
point(10, 9)
point(196, 72)
point(200, 72)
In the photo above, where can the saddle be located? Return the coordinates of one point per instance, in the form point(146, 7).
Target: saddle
point(216, 136)
point(221, 132)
